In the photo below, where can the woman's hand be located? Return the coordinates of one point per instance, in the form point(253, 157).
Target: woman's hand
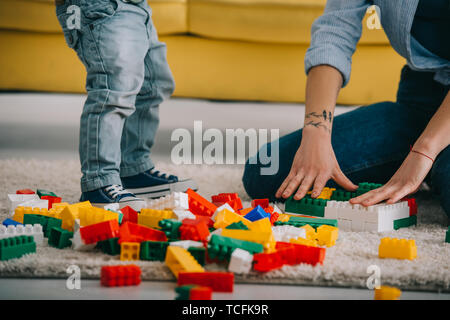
point(405, 181)
point(314, 164)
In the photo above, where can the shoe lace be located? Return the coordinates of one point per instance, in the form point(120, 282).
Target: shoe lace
point(115, 190)
point(159, 174)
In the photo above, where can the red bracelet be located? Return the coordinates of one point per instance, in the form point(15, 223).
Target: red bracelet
point(423, 154)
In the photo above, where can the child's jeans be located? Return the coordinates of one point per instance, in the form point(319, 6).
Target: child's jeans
point(127, 78)
point(371, 142)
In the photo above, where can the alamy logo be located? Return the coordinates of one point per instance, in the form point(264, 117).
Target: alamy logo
point(73, 22)
point(74, 280)
point(374, 20)
point(374, 280)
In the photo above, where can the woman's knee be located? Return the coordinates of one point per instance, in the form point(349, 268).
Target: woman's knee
point(440, 179)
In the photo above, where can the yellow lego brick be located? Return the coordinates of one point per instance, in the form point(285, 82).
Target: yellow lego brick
point(325, 194)
point(305, 242)
point(226, 217)
point(59, 206)
point(262, 225)
point(387, 293)
point(70, 213)
point(179, 259)
point(20, 211)
point(282, 217)
point(265, 238)
point(310, 232)
point(327, 235)
point(152, 217)
point(92, 215)
point(129, 251)
point(397, 248)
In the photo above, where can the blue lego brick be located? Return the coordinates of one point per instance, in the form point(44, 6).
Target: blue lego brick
point(257, 214)
point(10, 222)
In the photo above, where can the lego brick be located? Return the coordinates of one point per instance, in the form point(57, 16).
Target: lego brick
point(16, 247)
point(221, 247)
point(412, 204)
point(186, 244)
point(20, 212)
point(171, 228)
point(237, 225)
point(51, 200)
point(25, 191)
point(35, 204)
point(193, 292)
point(217, 281)
point(310, 232)
point(265, 238)
point(151, 217)
point(447, 236)
point(232, 199)
point(132, 232)
point(111, 246)
point(325, 194)
point(59, 238)
point(78, 243)
point(305, 242)
point(282, 217)
point(305, 254)
point(265, 262)
point(153, 250)
point(174, 201)
point(240, 261)
point(286, 232)
point(194, 230)
point(387, 293)
point(47, 223)
point(226, 217)
point(179, 259)
point(89, 215)
point(302, 221)
point(100, 231)
point(14, 200)
point(10, 222)
point(180, 215)
point(199, 254)
point(306, 206)
point(122, 275)
point(199, 205)
point(71, 212)
point(129, 251)
point(364, 187)
point(112, 206)
point(263, 203)
point(257, 214)
point(397, 248)
point(244, 211)
point(43, 192)
point(327, 235)
point(34, 231)
point(342, 195)
point(405, 222)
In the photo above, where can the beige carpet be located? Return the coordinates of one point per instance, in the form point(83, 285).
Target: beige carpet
point(345, 263)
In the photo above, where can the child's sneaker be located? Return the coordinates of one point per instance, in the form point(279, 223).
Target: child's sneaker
point(154, 184)
point(113, 194)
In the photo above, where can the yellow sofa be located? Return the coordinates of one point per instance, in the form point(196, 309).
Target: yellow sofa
point(217, 49)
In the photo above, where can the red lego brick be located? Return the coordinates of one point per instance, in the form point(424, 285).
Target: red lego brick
point(264, 203)
point(132, 232)
point(199, 205)
point(236, 204)
point(304, 254)
point(129, 214)
point(196, 230)
point(264, 262)
point(200, 293)
point(100, 231)
point(274, 217)
point(51, 200)
point(232, 199)
point(412, 206)
point(25, 191)
point(217, 281)
point(122, 275)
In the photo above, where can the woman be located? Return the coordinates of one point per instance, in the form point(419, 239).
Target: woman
point(399, 144)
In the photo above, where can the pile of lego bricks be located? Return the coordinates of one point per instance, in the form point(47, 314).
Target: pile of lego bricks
point(186, 231)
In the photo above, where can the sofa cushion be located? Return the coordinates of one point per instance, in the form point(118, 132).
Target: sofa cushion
point(274, 21)
point(169, 16)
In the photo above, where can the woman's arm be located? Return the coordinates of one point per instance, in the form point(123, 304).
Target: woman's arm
point(407, 179)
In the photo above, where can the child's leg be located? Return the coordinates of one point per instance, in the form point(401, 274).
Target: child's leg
point(112, 43)
point(140, 128)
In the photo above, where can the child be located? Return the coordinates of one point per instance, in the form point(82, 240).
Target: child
point(372, 143)
point(127, 78)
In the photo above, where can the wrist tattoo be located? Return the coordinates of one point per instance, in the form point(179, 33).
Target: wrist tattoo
point(319, 120)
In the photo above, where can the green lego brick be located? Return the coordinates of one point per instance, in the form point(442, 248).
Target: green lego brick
point(342, 195)
point(306, 206)
point(47, 223)
point(405, 222)
point(302, 221)
point(59, 238)
point(447, 236)
point(237, 225)
point(222, 247)
point(42, 192)
point(364, 187)
point(199, 254)
point(153, 250)
point(184, 292)
point(16, 247)
point(171, 228)
point(109, 246)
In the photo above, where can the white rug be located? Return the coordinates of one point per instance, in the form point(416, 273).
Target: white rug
point(345, 264)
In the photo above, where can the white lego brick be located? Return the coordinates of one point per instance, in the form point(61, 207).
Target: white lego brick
point(345, 225)
point(240, 262)
point(285, 233)
point(36, 203)
point(276, 209)
point(77, 242)
point(112, 206)
point(222, 207)
point(370, 227)
point(14, 200)
point(176, 200)
point(357, 225)
point(23, 230)
point(183, 214)
point(186, 244)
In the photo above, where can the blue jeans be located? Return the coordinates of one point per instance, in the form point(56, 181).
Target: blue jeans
point(127, 78)
point(371, 142)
